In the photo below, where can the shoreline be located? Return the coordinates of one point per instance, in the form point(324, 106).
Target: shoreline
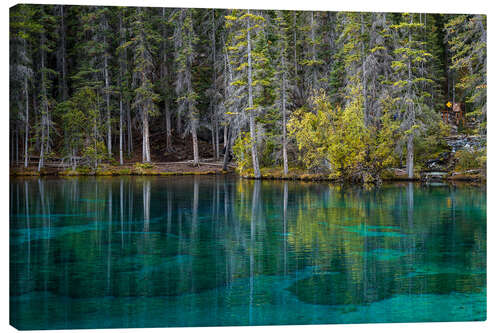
point(188, 170)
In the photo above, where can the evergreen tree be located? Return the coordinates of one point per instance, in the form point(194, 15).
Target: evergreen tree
point(282, 86)
point(245, 25)
point(46, 101)
point(282, 78)
point(185, 42)
point(23, 28)
point(143, 43)
point(409, 58)
point(466, 36)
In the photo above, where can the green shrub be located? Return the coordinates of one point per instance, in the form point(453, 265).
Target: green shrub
point(469, 160)
point(83, 169)
point(126, 171)
point(243, 152)
point(144, 165)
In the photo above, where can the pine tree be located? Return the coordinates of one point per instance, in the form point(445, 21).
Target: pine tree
point(311, 60)
point(409, 79)
point(46, 103)
point(185, 41)
point(378, 61)
point(353, 38)
point(282, 76)
point(143, 43)
point(165, 80)
point(244, 25)
point(23, 29)
point(249, 72)
point(466, 36)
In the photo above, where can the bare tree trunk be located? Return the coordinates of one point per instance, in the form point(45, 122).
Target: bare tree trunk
point(47, 145)
point(212, 137)
point(179, 124)
point(363, 64)
point(108, 110)
point(45, 110)
point(26, 125)
point(283, 107)
point(217, 152)
point(130, 145)
point(196, 158)
point(409, 156)
point(313, 38)
point(146, 154)
point(122, 71)
point(226, 151)
point(42, 148)
point(225, 136)
point(168, 121)
point(295, 44)
point(121, 129)
point(168, 127)
point(63, 86)
point(411, 116)
point(255, 158)
point(215, 126)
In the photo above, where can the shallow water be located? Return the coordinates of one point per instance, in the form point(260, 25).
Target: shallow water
point(214, 250)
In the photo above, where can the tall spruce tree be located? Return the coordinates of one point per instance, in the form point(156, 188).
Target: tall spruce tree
point(466, 37)
point(409, 80)
point(143, 42)
point(244, 25)
point(185, 43)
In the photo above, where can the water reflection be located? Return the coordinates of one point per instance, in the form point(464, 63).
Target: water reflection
point(187, 251)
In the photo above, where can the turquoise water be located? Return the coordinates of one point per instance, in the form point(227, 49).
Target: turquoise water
point(215, 250)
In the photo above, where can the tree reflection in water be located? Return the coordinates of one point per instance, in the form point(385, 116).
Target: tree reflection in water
point(226, 251)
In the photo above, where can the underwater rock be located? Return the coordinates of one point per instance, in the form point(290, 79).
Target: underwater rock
point(336, 289)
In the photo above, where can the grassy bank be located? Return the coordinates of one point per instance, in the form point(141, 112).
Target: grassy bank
point(387, 175)
point(137, 169)
point(177, 169)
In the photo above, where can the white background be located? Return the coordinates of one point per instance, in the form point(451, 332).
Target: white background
point(429, 6)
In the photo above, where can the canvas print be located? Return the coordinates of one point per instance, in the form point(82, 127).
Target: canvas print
point(211, 167)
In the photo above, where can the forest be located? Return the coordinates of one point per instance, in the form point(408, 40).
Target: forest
point(350, 95)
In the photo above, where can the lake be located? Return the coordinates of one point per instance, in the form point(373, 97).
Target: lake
point(218, 250)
